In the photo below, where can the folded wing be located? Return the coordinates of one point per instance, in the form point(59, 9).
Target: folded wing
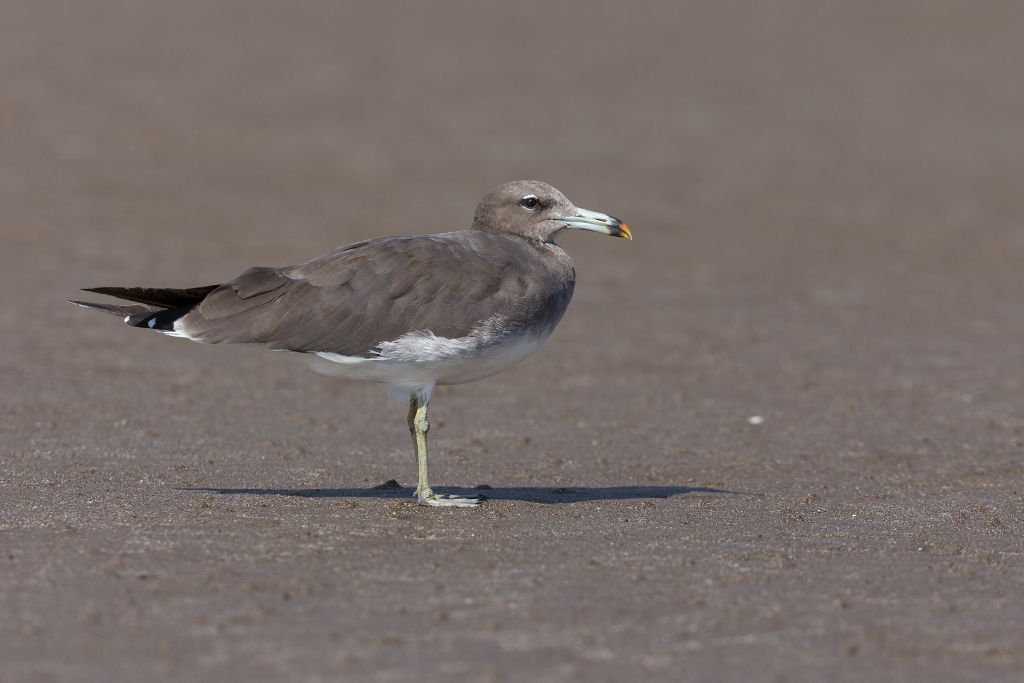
point(352, 299)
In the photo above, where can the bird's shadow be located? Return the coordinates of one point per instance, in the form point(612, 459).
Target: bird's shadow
point(528, 494)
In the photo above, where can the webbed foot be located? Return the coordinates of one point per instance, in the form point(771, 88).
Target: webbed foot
point(432, 499)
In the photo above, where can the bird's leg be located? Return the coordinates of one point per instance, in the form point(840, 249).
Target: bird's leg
point(414, 404)
point(419, 426)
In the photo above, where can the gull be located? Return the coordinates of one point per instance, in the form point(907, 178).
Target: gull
point(412, 312)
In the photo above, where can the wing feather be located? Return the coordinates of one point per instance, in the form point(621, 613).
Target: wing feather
point(352, 299)
point(161, 298)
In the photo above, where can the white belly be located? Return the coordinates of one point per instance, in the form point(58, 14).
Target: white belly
point(417, 361)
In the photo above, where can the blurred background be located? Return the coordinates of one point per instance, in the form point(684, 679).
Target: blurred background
point(829, 233)
point(826, 166)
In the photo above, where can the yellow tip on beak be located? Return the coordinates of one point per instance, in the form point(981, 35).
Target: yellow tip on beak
point(596, 222)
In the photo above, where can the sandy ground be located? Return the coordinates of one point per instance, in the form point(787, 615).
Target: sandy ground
point(829, 233)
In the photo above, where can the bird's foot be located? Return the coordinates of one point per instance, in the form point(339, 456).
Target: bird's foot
point(432, 499)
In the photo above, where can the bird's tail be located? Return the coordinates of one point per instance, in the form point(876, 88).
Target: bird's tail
point(156, 309)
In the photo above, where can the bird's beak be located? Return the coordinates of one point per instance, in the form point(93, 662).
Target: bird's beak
point(598, 222)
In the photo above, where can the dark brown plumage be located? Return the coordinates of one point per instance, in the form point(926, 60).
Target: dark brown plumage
point(352, 299)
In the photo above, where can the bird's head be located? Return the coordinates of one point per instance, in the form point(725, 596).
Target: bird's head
point(535, 210)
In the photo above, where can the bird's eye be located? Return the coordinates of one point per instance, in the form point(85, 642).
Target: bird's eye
point(529, 202)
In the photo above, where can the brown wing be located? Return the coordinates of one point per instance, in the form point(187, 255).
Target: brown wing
point(352, 299)
point(160, 298)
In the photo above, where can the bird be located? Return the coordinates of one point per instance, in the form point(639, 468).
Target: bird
point(412, 312)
